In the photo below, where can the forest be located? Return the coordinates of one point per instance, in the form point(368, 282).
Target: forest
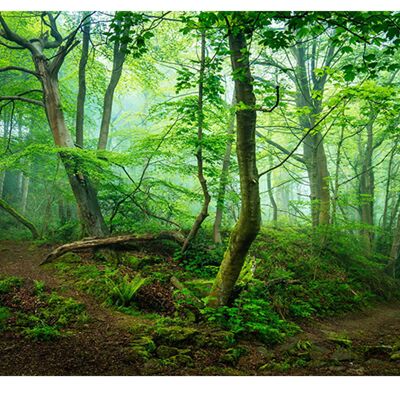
point(199, 193)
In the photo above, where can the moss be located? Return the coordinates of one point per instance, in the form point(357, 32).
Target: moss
point(69, 258)
point(143, 347)
point(175, 334)
point(166, 351)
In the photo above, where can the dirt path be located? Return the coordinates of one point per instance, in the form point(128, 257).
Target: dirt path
point(357, 344)
point(100, 348)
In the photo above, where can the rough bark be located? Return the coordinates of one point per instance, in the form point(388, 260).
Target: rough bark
point(314, 152)
point(46, 70)
point(199, 154)
point(25, 191)
point(272, 199)
point(119, 55)
point(394, 251)
point(80, 104)
point(115, 242)
point(248, 225)
point(85, 195)
point(223, 180)
point(20, 218)
point(366, 189)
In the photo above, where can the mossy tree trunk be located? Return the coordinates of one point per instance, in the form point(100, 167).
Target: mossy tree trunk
point(223, 181)
point(248, 225)
point(20, 218)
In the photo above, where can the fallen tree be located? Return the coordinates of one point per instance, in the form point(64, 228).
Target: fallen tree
point(122, 242)
point(20, 218)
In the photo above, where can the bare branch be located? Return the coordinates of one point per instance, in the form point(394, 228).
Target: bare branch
point(24, 99)
point(274, 106)
point(15, 68)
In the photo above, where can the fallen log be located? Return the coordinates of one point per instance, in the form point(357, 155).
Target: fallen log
point(122, 242)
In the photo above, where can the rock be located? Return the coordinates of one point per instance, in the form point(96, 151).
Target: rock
point(176, 334)
point(219, 339)
point(339, 339)
point(395, 356)
point(318, 352)
point(152, 367)
point(166, 351)
point(265, 354)
point(143, 347)
point(182, 360)
point(343, 355)
point(378, 350)
point(232, 355)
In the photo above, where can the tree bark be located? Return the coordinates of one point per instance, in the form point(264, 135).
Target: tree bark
point(80, 104)
point(366, 189)
point(25, 191)
point(20, 218)
point(116, 242)
point(248, 225)
point(314, 152)
point(119, 55)
point(394, 251)
point(224, 175)
point(85, 195)
point(199, 154)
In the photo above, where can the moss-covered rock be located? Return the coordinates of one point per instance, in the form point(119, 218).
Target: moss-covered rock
point(175, 334)
point(166, 351)
point(143, 347)
point(182, 360)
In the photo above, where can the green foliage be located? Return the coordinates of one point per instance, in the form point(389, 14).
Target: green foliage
point(9, 283)
point(123, 293)
point(42, 333)
point(4, 315)
point(252, 314)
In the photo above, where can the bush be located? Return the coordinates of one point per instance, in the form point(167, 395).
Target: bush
point(252, 315)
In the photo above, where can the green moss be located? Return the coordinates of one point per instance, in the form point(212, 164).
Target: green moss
point(175, 334)
point(69, 258)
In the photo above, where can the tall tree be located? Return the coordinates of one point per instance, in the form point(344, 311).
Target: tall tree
point(46, 70)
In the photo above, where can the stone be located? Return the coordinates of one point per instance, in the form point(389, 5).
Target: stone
point(166, 351)
point(176, 334)
point(182, 360)
point(395, 356)
point(343, 355)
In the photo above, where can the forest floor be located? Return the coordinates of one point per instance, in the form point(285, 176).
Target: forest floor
point(361, 343)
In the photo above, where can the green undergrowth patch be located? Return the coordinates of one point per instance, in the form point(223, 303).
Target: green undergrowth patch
point(28, 308)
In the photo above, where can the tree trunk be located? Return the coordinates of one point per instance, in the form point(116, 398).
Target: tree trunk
point(248, 225)
point(119, 56)
point(272, 199)
point(314, 152)
point(115, 242)
point(85, 195)
point(394, 252)
point(199, 154)
point(366, 190)
point(80, 105)
point(25, 191)
point(224, 175)
point(20, 218)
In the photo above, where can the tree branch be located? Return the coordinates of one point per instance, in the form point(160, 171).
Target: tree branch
point(24, 99)
point(15, 68)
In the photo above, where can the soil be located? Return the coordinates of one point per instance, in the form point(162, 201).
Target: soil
point(362, 343)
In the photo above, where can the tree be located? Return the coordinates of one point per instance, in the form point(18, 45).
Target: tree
point(46, 70)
